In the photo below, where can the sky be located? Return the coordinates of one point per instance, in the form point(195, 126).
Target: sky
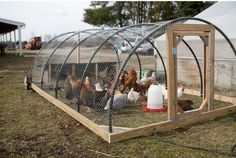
point(52, 17)
point(46, 17)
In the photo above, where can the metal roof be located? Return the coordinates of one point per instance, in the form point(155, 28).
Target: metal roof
point(7, 25)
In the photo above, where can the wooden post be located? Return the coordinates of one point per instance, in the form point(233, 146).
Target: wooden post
point(49, 73)
point(78, 49)
point(96, 71)
point(171, 73)
point(211, 67)
point(73, 69)
point(205, 73)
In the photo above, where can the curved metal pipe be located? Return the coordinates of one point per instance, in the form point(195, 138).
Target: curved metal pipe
point(158, 52)
point(139, 61)
point(158, 30)
point(46, 63)
point(162, 61)
point(122, 68)
point(198, 65)
point(95, 52)
point(33, 62)
point(58, 77)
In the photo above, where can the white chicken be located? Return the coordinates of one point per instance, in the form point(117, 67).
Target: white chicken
point(119, 101)
point(153, 77)
point(144, 79)
point(133, 95)
point(119, 51)
point(180, 91)
point(98, 87)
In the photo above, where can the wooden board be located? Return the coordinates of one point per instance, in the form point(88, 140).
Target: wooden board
point(171, 73)
point(77, 116)
point(211, 67)
point(216, 96)
point(192, 33)
point(167, 125)
point(116, 129)
point(191, 27)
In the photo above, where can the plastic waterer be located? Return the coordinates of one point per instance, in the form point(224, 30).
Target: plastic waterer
point(155, 97)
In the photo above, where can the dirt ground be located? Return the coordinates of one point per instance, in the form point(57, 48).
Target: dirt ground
point(32, 127)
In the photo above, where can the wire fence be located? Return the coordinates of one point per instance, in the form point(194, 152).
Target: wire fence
point(83, 75)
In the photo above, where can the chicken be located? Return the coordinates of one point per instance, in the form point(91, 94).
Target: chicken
point(95, 93)
point(98, 87)
point(89, 84)
point(152, 78)
point(144, 79)
point(73, 89)
point(180, 91)
point(119, 89)
point(185, 104)
point(88, 95)
point(120, 99)
point(133, 96)
point(142, 88)
point(131, 78)
point(123, 77)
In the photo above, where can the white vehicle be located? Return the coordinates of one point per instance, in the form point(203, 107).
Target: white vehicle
point(145, 49)
point(128, 45)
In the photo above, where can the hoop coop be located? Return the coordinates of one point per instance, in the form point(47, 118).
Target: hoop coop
point(136, 80)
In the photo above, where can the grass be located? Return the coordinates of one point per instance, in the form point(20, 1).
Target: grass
point(32, 127)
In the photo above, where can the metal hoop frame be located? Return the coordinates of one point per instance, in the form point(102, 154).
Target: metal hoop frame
point(47, 61)
point(48, 42)
point(158, 31)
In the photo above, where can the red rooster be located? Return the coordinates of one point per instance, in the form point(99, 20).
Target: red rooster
point(131, 78)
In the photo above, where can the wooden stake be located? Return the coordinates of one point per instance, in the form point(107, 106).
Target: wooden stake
point(171, 74)
point(211, 67)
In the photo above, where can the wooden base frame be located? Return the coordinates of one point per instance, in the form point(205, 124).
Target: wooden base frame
point(127, 133)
